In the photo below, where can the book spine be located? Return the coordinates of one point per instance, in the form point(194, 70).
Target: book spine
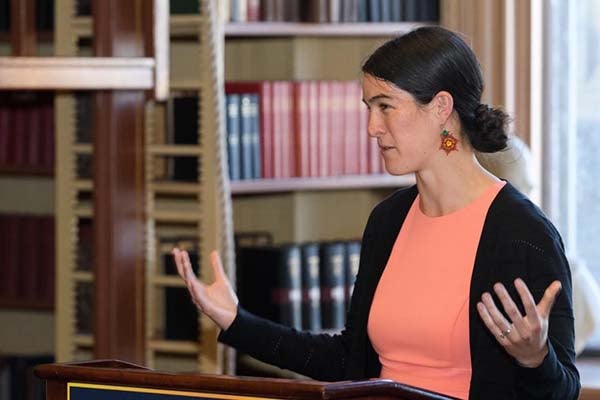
point(302, 128)
point(311, 288)
point(324, 107)
point(253, 10)
point(332, 285)
point(374, 11)
point(255, 136)
point(351, 125)
point(267, 128)
point(288, 293)
point(233, 136)
point(246, 136)
point(313, 133)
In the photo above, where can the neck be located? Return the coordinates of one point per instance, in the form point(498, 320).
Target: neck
point(451, 183)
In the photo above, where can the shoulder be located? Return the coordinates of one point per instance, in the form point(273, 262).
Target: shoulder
point(524, 235)
point(516, 218)
point(392, 210)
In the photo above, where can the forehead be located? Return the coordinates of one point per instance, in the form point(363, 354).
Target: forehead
point(373, 87)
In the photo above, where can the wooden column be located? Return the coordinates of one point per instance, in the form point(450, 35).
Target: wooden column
point(119, 220)
point(22, 30)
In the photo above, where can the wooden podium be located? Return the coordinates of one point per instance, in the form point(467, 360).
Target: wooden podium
point(112, 380)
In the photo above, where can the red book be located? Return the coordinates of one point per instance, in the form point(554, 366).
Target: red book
point(32, 154)
point(351, 131)
point(278, 128)
point(313, 117)
point(302, 128)
point(28, 249)
point(47, 136)
point(337, 129)
point(17, 137)
point(288, 145)
point(264, 90)
point(4, 133)
point(253, 10)
point(46, 262)
point(363, 136)
point(324, 108)
point(11, 257)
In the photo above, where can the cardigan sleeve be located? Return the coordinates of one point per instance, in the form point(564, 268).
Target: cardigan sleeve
point(557, 377)
point(319, 356)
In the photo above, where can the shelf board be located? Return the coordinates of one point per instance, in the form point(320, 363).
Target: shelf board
point(83, 276)
point(26, 304)
point(283, 29)
point(174, 346)
point(83, 148)
point(26, 171)
point(180, 25)
point(189, 25)
point(175, 149)
point(84, 185)
point(329, 183)
point(175, 187)
point(83, 340)
point(174, 216)
point(76, 73)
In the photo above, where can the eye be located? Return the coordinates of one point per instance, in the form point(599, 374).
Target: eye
point(383, 106)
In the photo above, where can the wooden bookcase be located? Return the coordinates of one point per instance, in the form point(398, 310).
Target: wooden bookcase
point(175, 213)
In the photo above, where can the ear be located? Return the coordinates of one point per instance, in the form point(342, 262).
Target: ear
point(443, 105)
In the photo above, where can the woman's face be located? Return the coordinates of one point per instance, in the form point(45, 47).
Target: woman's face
point(408, 134)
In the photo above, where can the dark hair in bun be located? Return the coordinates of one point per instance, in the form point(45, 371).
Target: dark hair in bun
point(430, 59)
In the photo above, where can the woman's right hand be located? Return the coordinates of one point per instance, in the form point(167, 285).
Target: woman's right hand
point(217, 300)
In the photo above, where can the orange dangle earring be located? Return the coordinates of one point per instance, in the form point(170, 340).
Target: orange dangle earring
point(449, 142)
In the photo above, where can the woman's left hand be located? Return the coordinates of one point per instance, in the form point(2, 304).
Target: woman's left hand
point(524, 337)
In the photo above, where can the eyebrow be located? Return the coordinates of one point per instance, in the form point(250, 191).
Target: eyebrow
point(378, 97)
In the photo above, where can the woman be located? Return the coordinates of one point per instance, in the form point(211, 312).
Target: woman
point(463, 287)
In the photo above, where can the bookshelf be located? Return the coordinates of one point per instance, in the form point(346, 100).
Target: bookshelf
point(305, 209)
point(184, 213)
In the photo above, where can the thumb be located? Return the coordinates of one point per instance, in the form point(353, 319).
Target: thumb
point(217, 265)
point(547, 302)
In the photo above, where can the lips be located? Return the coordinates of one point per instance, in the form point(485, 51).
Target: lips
point(384, 148)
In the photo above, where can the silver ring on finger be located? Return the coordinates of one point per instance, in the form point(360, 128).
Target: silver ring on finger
point(505, 333)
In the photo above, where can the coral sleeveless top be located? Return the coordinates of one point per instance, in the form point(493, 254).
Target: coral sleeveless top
point(419, 318)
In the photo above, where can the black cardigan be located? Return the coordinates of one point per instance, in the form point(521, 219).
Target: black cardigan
point(517, 241)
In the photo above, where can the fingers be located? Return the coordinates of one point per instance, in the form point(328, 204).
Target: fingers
point(526, 297)
point(496, 323)
point(545, 305)
point(511, 308)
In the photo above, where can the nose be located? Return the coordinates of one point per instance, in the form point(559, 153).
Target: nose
point(375, 127)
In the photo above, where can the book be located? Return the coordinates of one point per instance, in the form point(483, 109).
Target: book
point(311, 287)
point(255, 136)
point(184, 6)
point(181, 314)
point(324, 110)
point(337, 129)
point(264, 91)
point(233, 136)
point(302, 128)
point(269, 283)
point(374, 10)
point(246, 149)
point(185, 116)
point(332, 257)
